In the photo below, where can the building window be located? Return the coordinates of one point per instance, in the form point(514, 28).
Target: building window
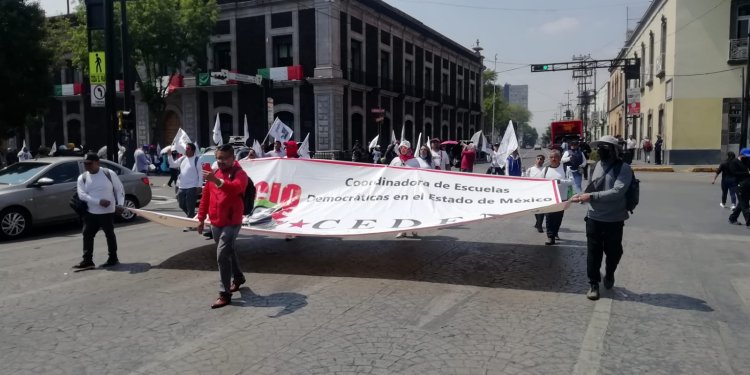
point(385, 37)
point(281, 20)
point(428, 79)
point(222, 27)
point(472, 93)
point(743, 21)
point(408, 72)
point(650, 58)
point(408, 48)
point(428, 56)
point(282, 51)
point(222, 56)
point(356, 25)
point(356, 56)
point(735, 122)
point(444, 85)
point(385, 69)
point(663, 48)
point(643, 65)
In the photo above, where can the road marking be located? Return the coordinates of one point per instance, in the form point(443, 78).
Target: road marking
point(589, 359)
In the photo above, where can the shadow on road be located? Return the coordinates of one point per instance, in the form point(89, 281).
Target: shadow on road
point(290, 302)
point(131, 268)
point(670, 300)
point(48, 231)
point(437, 259)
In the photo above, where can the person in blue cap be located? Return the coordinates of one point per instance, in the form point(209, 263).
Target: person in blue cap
point(740, 169)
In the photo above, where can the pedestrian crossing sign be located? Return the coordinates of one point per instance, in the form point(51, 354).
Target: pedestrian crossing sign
point(97, 68)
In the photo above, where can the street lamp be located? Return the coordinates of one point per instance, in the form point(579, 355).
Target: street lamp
point(494, 100)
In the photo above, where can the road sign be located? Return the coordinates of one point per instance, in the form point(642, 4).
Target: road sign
point(97, 95)
point(97, 68)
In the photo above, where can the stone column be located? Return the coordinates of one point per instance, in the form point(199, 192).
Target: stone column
point(142, 131)
point(189, 106)
point(327, 40)
point(329, 117)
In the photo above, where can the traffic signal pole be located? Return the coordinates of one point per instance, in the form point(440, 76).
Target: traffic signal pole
point(109, 69)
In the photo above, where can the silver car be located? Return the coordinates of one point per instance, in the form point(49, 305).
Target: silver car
point(36, 192)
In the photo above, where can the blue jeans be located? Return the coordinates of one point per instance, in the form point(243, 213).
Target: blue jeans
point(728, 186)
point(577, 178)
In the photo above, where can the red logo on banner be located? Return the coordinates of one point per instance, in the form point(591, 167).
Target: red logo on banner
point(634, 109)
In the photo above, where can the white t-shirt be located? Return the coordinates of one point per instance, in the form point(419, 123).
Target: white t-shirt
point(535, 172)
point(98, 187)
point(632, 144)
point(276, 154)
point(412, 163)
point(440, 159)
point(191, 175)
point(562, 176)
point(497, 159)
point(424, 164)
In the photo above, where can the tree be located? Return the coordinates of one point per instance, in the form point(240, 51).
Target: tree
point(166, 38)
point(547, 136)
point(24, 65)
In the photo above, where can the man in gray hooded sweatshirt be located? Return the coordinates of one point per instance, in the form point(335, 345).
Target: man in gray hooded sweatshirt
point(607, 213)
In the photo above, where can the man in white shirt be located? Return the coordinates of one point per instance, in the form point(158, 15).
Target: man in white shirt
point(102, 191)
point(632, 145)
point(439, 157)
point(537, 171)
point(574, 160)
point(556, 171)
point(189, 180)
point(277, 151)
point(497, 164)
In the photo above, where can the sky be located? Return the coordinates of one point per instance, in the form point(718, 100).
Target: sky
point(522, 32)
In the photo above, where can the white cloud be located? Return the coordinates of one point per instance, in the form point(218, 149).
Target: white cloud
point(561, 25)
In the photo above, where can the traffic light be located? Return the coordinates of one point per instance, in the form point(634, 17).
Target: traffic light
point(540, 68)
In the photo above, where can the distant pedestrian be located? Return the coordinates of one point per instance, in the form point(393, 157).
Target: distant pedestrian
point(658, 149)
point(631, 145)
point(357, 152)
point(440, 158)
point(740, 169)
point(405, 157)
point(189, 181)
point(558, 172)
point(564, 145)
point(586, 149)
point(468, 156)
point(174, 167)
point(251, 155)
point(605, 219)
point(728, 182)
point(424, 158)
point(141, 160)
point(647, 147)
point(376, 155)
point(24, 154)
point(513, 165)
point(574, 160)
point(537, 171)
point(104, 195)
point(224, 192)
point(390, 153)
point(277, 152)
point(291, 149)
point(497, 163)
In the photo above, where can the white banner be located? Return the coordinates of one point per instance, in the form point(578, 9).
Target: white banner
point(302, 197)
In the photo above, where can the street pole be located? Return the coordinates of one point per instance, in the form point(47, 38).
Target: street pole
point(745, 95)
point(110, 124)
point(494, 100)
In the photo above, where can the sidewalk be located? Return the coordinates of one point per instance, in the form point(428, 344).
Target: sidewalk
point(640, 166)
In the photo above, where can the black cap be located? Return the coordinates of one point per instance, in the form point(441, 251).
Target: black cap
point(91, 156)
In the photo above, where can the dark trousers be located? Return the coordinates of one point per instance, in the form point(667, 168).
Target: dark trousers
point(496, 170)
point(173, 173)
point(91, 225)
point(728, 186)
point(554, 220)
point(603, 238)
point(743, 206)
point(186, 199)
point(226, 256)
point(657, 155)
point(539, 220)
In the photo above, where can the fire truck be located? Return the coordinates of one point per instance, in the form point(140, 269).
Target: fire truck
point(565, 130)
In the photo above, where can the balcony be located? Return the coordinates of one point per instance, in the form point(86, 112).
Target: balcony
point(660, 72)
point(737, 50)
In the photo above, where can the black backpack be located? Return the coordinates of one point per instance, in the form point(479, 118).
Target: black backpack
point(632, 195)
point(576, 159)
point(248, 198)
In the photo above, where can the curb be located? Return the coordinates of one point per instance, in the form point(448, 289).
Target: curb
point(652, 169)
point(702, 170)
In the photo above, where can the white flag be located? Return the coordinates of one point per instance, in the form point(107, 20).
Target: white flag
point(304, 149)
point(509, 142)
point(180, 140)
point(247, 132)
point(158, 148)
point(280, 132)
point(403, 134)
point(53, 149)
point(373, 143)
point(258, 150)
point(217, 132)
point(24, 145)
point(419, 143)
point(480, 142)
point(393, 137)
point(197, 149)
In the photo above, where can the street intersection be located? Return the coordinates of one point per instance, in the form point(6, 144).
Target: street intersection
point(488, 298)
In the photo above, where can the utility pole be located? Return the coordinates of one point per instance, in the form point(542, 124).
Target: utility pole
point(110, 124)
point(745, 98)
point(494, 100)
point(129, 141)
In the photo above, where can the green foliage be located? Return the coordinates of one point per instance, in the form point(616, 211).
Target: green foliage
point(547, 136)
point(24, 65)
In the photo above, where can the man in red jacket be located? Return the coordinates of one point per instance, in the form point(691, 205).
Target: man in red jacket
point(223, 202)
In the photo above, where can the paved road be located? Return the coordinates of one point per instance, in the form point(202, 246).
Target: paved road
point(485, 299)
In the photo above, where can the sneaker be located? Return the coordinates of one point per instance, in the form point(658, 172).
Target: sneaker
point(722, 205)
point(609, 281)
point(733, 207)
point(593, 293)
point(539, 229)
point(188, 229)
point(222, 301)
point(401, 235)
point(734, 222)
point(550, 241)
point(84, 264)
point(111, 262)
point(235, 287)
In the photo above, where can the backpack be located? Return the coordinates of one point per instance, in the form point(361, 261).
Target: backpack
point(576, 159)
point(80, 206)
point(647, 146)
point(632, 195)
point(248, 198)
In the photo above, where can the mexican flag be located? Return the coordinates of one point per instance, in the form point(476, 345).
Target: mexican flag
point(286, 73)
point(69, 89)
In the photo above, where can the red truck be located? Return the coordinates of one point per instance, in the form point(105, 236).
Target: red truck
point(565, 130)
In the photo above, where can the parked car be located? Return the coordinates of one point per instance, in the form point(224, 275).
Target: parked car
point(36, 192)
point(537, 146)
